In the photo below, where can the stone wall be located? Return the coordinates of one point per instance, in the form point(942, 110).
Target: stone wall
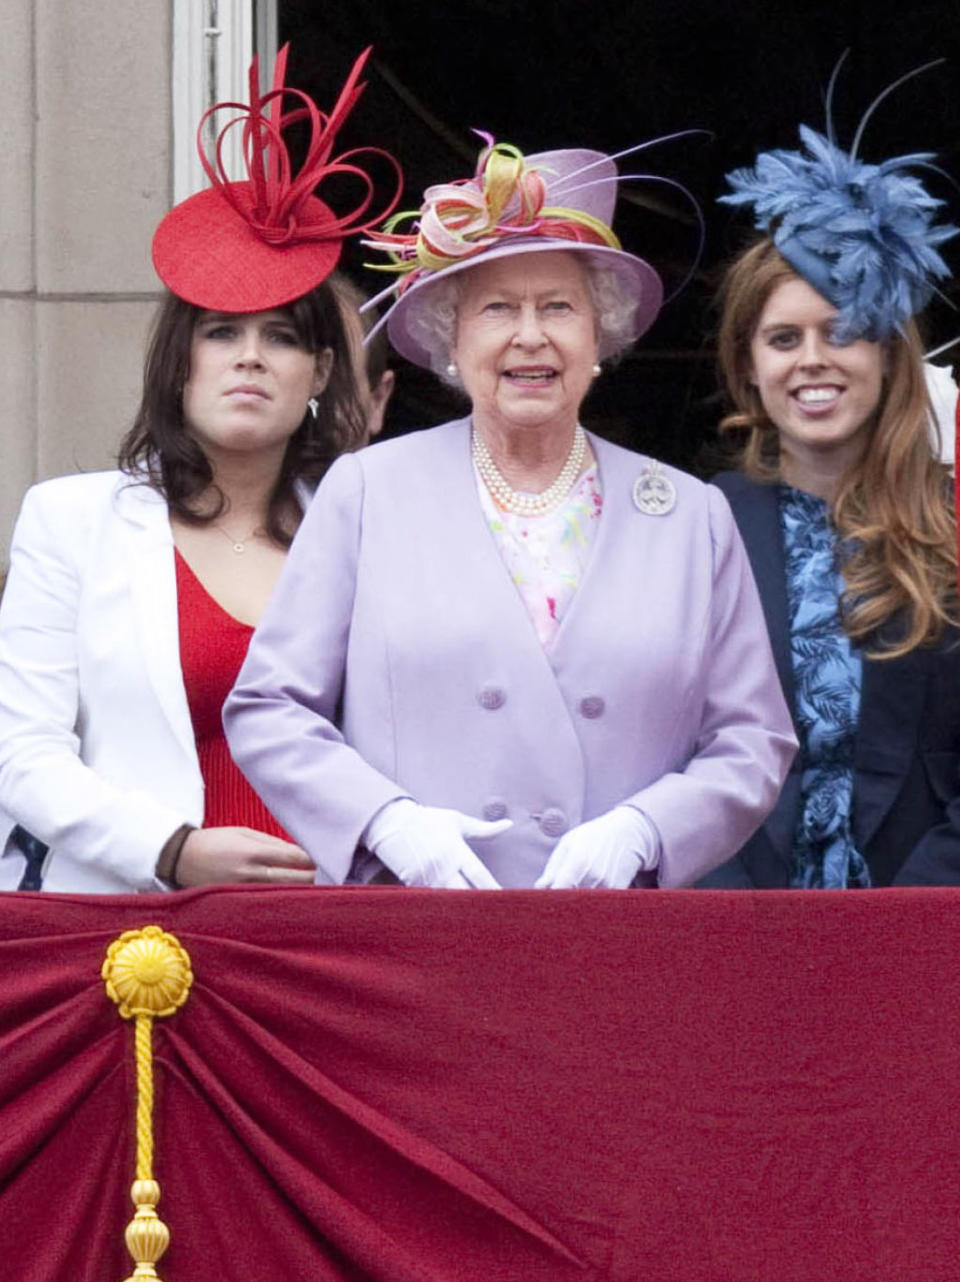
point(85, 129)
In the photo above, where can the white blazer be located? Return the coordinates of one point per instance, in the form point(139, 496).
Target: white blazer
point(97, 753)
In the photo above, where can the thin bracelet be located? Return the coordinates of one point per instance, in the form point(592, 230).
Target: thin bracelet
point(176, 859)
point(170, 855)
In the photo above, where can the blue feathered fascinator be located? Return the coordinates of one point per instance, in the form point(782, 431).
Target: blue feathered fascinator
point(862, 235)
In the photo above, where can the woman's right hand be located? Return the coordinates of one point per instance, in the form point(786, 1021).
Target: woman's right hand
point(211, 855)
point(425, 846)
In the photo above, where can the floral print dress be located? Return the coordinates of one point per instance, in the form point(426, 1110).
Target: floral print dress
point(546, 555)
point(827, 676)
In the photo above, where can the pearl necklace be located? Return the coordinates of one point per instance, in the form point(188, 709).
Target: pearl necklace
point(512, 500)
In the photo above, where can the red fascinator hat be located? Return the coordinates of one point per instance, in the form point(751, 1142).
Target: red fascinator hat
point(252, 245)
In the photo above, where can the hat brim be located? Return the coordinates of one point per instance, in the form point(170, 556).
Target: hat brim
point(209, 255)
point(637, 277)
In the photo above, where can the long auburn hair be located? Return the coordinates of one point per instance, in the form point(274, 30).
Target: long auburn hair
point(892, 509)
point(159, 449)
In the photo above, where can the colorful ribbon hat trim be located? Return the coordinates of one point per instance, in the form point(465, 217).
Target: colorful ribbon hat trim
point(460, 219)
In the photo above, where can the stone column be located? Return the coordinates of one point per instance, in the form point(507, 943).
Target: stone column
point(86, 134)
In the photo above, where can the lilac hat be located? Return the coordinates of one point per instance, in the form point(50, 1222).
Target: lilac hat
point(514, 204)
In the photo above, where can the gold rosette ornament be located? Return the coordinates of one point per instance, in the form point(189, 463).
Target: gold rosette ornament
point(147, 973)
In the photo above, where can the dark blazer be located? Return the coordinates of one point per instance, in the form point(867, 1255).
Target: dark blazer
point(906, 783)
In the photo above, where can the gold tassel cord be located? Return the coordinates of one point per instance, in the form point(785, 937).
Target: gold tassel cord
point(147, 973)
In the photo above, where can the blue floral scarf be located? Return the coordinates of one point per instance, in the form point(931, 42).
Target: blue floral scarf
point(827, 675)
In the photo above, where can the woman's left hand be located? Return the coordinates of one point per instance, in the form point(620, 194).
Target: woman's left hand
point(607, 851)
point(231, 854)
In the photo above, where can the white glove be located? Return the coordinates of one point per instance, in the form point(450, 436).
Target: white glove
point(607, 851)
point(424, 845)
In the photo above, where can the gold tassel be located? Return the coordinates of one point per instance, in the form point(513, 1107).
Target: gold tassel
point(147, 973)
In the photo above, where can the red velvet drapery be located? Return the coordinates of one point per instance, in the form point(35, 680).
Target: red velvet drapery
point(403, 1086)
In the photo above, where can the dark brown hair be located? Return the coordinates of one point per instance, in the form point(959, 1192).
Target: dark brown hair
point(159, 448)
point(376, 351)
point(892, 508)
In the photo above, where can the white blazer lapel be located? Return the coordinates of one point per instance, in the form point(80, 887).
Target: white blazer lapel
point(150, 558)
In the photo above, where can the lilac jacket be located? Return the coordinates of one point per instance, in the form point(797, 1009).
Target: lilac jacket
point(396, 658)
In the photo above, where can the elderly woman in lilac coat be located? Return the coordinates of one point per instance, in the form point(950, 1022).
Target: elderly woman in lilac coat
point(502, 651)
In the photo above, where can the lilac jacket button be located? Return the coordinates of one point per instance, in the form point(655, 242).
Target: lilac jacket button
point(553, 823)
point(491, 698)
point(495, 808)
point(592, 707)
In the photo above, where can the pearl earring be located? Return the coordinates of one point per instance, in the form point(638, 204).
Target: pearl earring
point(452, 370)
point(596, 368)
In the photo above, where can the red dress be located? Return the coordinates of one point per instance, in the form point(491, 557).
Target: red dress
point(213, 645)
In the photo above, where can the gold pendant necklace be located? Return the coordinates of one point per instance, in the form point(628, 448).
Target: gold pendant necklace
point(239, 545)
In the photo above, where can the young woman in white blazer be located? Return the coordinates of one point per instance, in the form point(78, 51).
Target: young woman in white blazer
point(132, 594)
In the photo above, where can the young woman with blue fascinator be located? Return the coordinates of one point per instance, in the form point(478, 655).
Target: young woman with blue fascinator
point(132, 594)
point(847, 515)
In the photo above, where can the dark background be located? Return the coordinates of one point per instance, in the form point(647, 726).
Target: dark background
point(607, 74)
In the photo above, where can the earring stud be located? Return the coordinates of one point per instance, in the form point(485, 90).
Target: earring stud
point(452, 370)
point(596, 368)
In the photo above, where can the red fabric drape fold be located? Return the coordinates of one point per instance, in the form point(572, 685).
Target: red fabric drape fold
point(385, 1085)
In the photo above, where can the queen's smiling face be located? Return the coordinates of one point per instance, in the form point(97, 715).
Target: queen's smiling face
point(526, 341)
point(822, 395)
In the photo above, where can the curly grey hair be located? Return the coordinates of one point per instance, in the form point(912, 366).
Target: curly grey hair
point(435, 326)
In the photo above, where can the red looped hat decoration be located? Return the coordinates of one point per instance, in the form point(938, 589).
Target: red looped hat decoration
point(256, 244)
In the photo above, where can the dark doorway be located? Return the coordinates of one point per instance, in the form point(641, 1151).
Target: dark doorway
point(609, 73)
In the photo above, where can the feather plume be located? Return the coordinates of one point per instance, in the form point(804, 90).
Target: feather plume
point(862, 234)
